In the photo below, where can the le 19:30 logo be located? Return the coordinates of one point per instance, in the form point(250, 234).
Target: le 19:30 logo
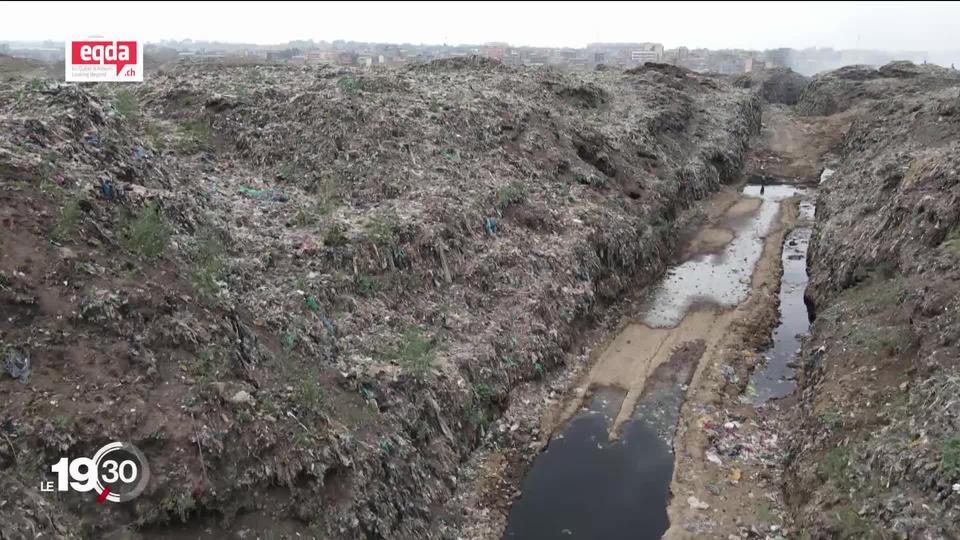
point(118, 472)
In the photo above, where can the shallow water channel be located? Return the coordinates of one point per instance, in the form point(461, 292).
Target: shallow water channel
point(774, 379)
point(586, 484)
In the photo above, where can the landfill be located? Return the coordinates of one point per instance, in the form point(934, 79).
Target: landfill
point(317, 282)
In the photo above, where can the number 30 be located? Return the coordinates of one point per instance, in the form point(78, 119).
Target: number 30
point(115, 472)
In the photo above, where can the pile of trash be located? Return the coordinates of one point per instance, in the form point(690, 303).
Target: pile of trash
point(878, 440)
point(324, 281)
point(732, 440)
point(775, 85)
point(836, 91)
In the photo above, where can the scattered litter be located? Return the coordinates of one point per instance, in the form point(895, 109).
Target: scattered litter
point(734, 475)
point(264, 194)
point(17, 365)
point(697, 504)
point(490, 226)
point(242, 397)
point(107, 189)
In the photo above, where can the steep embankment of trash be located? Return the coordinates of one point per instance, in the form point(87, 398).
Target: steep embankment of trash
point(775, 85)
point(877, 442)
point(305, 293)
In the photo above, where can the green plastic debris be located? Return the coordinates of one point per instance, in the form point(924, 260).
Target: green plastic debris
point(263, 194)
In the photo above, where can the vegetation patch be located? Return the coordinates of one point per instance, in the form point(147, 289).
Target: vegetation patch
point(835, 467)
point(852, 525)
point(309, 395)
point(70, 217)
point(951, 244)
point(147, 233)
point(209, 262)
point(511, 195)
point(950, 457)
point(414, 353)
point(890, 340)
point(385, 227)
point(127, 105)
point(196, 136)
point(336, 235)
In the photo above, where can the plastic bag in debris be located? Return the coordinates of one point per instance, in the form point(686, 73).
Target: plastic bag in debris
point(264, 194)
point(17, 365)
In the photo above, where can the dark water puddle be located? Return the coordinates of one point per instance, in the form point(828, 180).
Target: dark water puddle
point(586, 486)
point(774, 379)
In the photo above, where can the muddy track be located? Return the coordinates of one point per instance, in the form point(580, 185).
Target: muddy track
point(716, 314)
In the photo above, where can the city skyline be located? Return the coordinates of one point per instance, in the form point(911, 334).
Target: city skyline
point(756, 26)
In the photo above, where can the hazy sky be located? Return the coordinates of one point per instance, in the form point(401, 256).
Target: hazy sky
point(749, 25)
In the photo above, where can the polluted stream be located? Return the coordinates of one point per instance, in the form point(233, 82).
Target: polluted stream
point(774, 379)
point(588, 483)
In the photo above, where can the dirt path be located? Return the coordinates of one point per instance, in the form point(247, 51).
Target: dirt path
point(739, 493)
point(720, 306)
point(638, 349)
point(717, 496)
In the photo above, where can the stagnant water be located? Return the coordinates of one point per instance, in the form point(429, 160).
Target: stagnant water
point(583, 485)
point(718, 278)
point(586, 486)
point(774, 379)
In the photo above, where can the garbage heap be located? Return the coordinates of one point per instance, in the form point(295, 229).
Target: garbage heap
point(876, 440)
point(306, 292)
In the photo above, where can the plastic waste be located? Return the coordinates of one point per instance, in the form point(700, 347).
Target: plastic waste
point(490, 226)
point(17, 365)
point(264, 194)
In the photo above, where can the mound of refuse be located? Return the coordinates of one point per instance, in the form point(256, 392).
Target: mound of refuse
point(836, 91)
point(321, 283)
point(775, 85)
point(877, 438)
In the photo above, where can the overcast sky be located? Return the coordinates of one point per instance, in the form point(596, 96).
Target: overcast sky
point(749, 25)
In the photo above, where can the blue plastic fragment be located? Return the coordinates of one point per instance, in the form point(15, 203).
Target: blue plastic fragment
point(107, 189)
point(490, 226)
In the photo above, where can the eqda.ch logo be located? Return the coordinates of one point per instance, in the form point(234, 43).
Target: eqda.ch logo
point(101, 60)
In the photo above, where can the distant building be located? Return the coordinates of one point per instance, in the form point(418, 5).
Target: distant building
point(642, 57)
point(320, 57)
point(537, 59)
point(752, 64)
point(347, 58)
point(497, 51)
